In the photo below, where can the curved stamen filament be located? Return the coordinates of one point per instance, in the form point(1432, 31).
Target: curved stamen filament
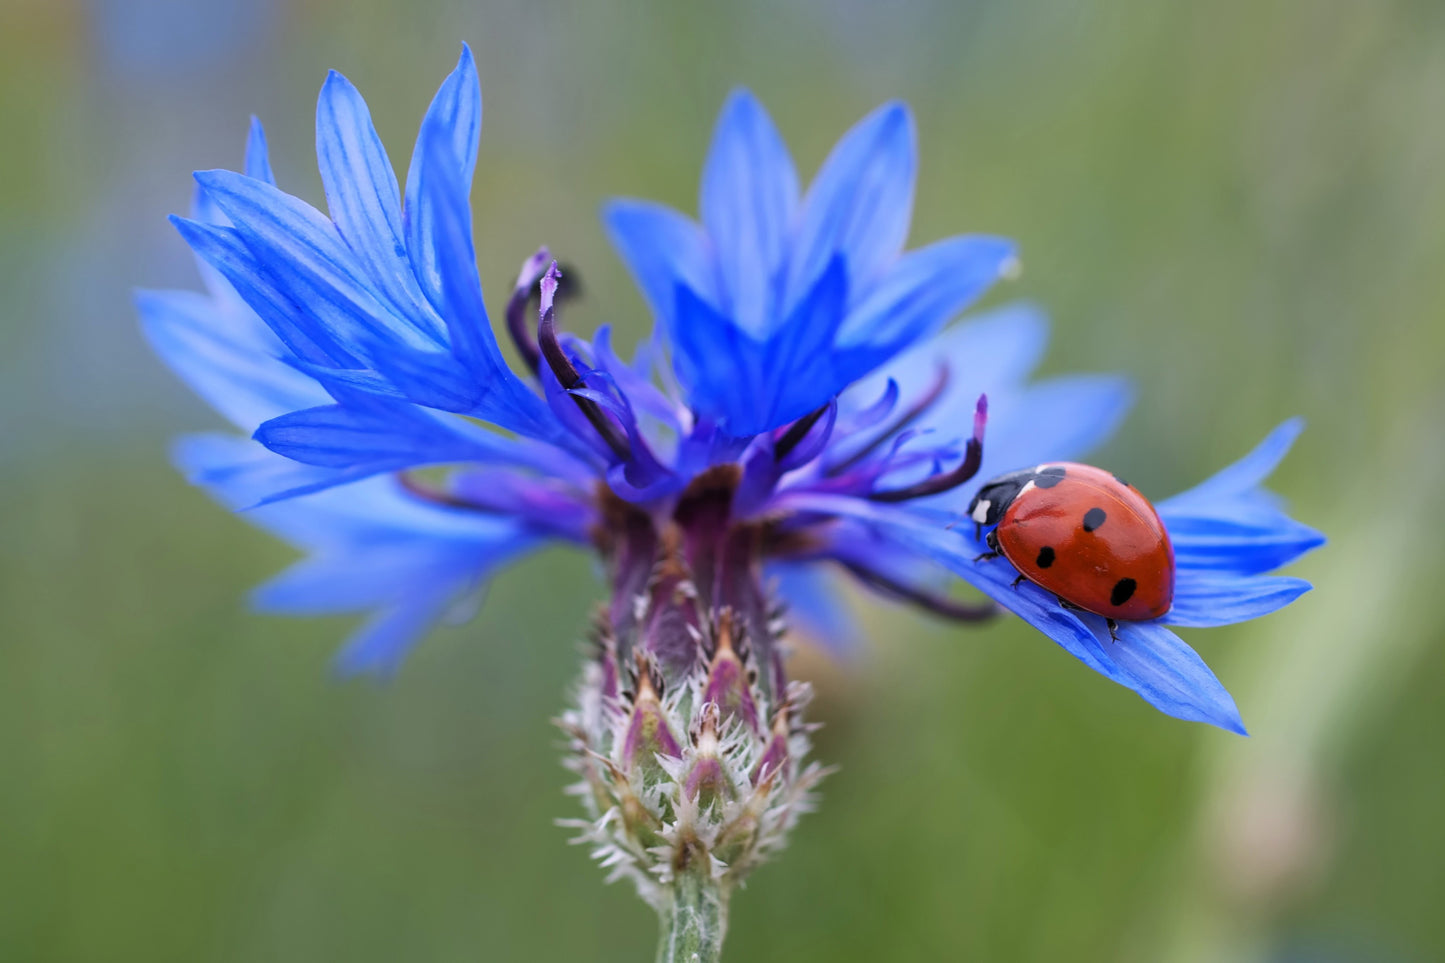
point(972, 457)
point(935, 391)
point(567, 375)
point(797, 431)
point(937, 604)
point(532, 270)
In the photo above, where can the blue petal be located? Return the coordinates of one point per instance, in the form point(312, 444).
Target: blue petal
point(368, 567)
point(1057, 419)
point(753, 386)
point(457, 108)
point(1171, 676)
point(749, 197)
point(229, 359)
point(224, 250)
point(336, 582)
point(378, 436)
point(983, 354)
point(1241, 477)
point(816, 606)
point(1205, 599)
point(717, 364)
point(634, 383)
point(859, 205)
point(665, 252)
point(375, 548)
point(258, 157)
point(1147, 657)
point(1229, 524)
point(503, 398)
point(362, 194)
point(379, 511)
point(800, 367)
point(302, 254)
point(1242, 548)
point(923, 291)
point(372, 547)
point(386, 638)
point(241, 474)
point(1054, 420)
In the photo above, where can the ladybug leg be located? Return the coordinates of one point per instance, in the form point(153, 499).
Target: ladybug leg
point(992, 543)
point(1016, 582)
point(1113, 625)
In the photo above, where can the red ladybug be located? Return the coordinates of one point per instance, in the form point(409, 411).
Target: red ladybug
point(1083, 534)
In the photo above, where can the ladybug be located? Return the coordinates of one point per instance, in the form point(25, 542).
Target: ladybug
point(1083, 534)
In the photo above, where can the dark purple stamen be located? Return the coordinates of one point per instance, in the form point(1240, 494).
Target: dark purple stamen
point(935, 484)
point(796, 432)
point(937, 604)
point(566, 373)
point(940, 384)
point(517, 327)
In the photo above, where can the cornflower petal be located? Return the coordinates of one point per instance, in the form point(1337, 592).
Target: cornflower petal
point(1171, 676)
point(748, 201)
point(258, 155)
point(667, 254)
point(381, 436)
point(243, 475)
point(504, 399)
point(1229, 525)
point(859, 205)
point(1205, 599)
point(304, 252)
point(456, 110)
point(226, 252)
point(232, 366)
point(816, 606)
point(924, 290)
point(362, 194)
point(1030, 427)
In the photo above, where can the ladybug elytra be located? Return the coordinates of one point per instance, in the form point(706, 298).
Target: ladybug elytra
point(1083, 534)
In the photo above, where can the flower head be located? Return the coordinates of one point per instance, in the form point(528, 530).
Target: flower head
point(802, 411)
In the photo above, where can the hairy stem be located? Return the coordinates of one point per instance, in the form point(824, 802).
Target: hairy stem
point(694, 920)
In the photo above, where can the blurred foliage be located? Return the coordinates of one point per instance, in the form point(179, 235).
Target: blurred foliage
point(1239, 203)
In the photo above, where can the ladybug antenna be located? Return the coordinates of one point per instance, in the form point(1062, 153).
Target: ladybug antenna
point(972, 458)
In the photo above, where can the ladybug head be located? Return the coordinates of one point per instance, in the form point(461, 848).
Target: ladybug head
point(994, 498)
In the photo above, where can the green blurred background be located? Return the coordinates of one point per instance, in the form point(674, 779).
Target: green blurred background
point(1239, 203)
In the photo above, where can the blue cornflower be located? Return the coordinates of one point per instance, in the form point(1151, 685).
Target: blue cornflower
point(802, 411)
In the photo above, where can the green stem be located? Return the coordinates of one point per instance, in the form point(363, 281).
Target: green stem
point(694, 921)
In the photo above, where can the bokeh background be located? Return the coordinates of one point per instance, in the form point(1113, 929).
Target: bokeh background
point(1239, 203)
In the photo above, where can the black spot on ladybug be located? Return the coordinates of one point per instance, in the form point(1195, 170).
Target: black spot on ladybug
point(1121, 481)
point(1046, 556)
point(1123, 591)
point(1093, 518)
point(1050, 476)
